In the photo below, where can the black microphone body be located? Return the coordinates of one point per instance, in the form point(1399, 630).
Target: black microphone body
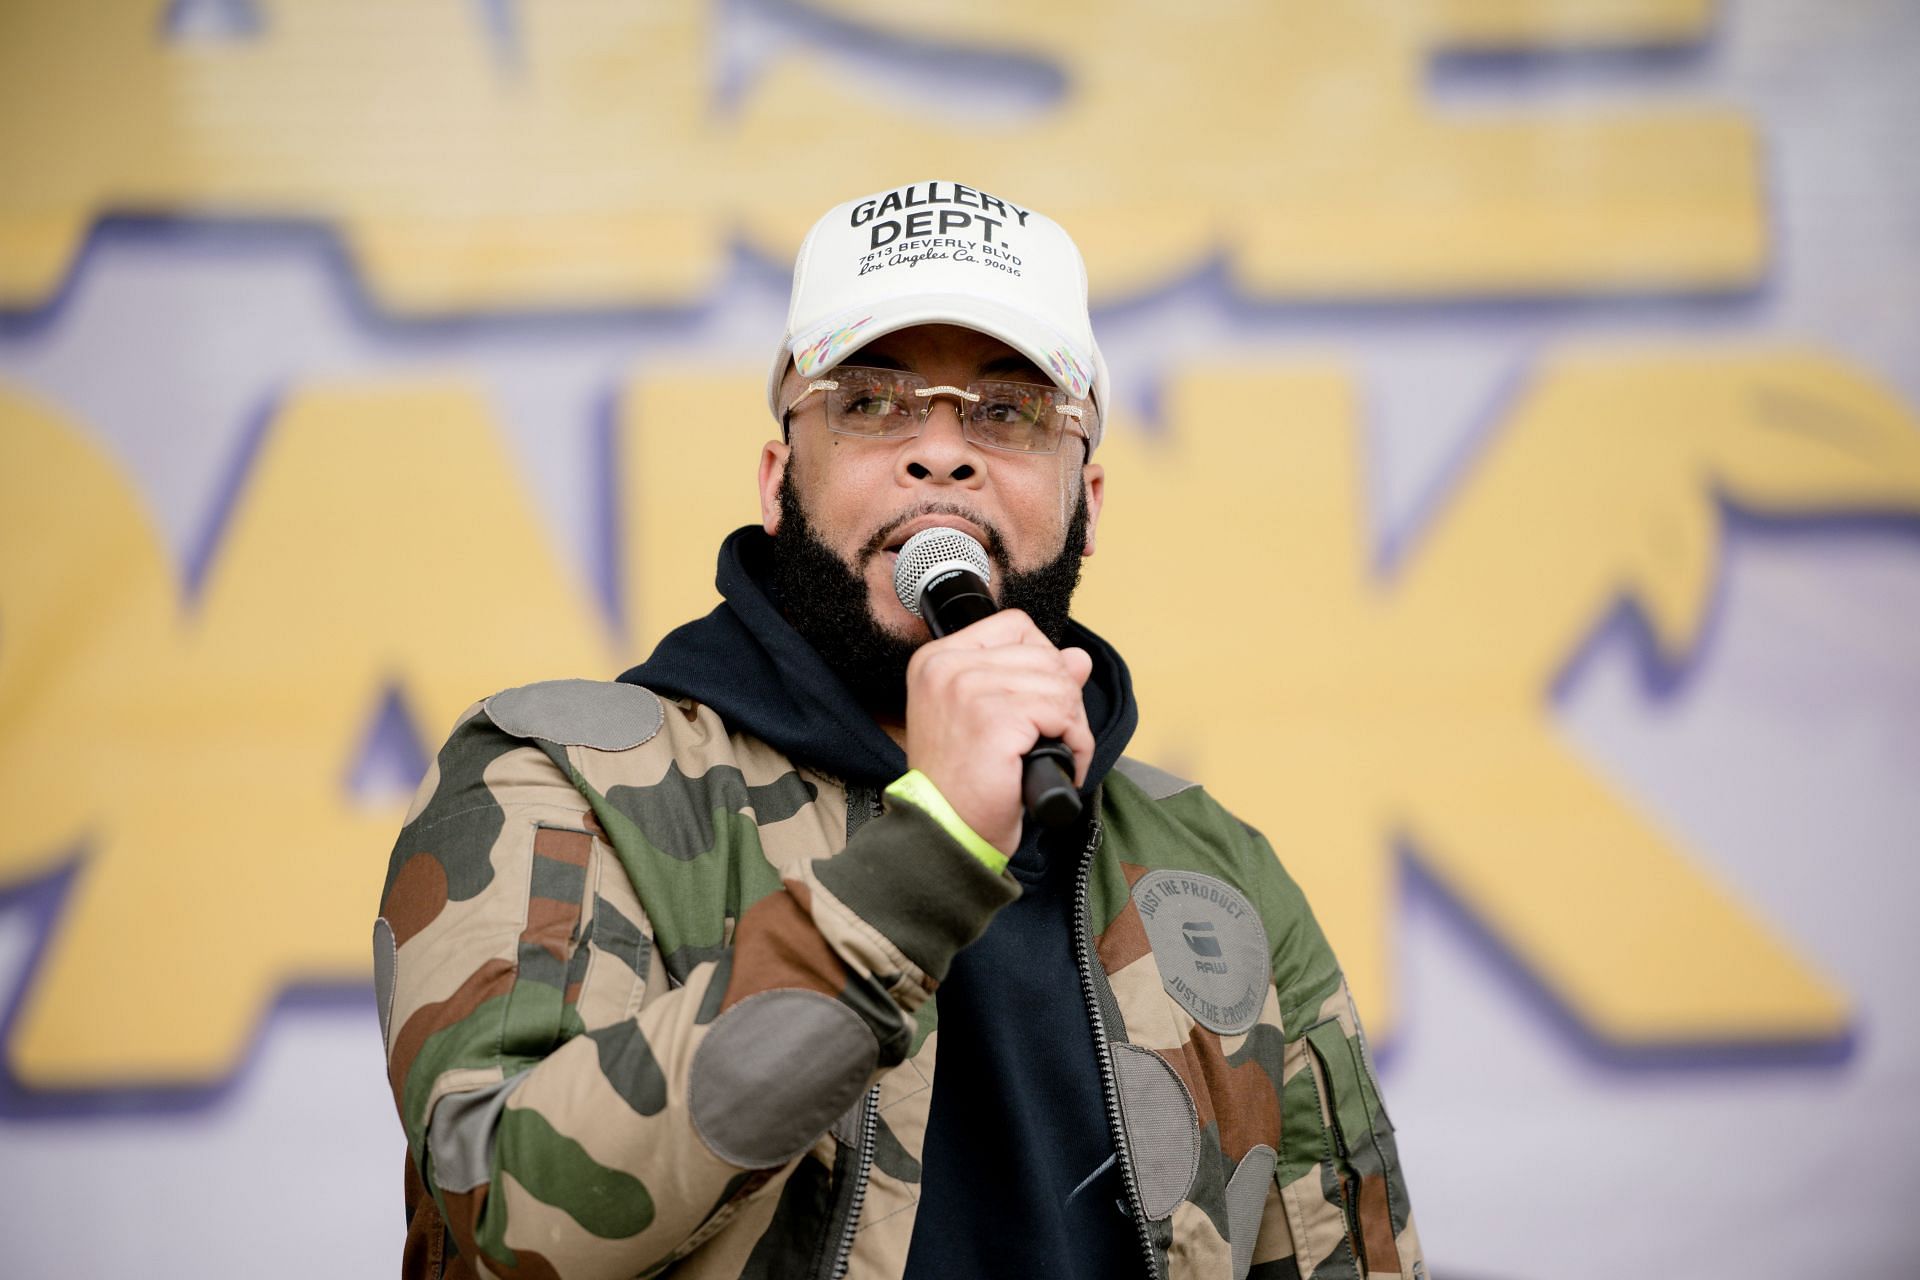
point(958, 598)
point(954, 600)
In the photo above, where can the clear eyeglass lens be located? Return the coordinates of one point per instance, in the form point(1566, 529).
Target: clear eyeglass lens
point(874, 402)
point(1014, 415)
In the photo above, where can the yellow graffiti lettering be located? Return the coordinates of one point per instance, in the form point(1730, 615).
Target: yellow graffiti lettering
point(197, 753)
point(200, 758)
point(1297, 138)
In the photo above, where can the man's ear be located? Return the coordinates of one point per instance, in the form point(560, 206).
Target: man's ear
point(1094, 477)
point(774, 456)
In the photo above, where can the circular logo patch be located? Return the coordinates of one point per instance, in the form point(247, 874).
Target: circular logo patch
point(1209, 944)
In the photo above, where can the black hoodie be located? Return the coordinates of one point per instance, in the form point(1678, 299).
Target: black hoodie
point(1018, 1175)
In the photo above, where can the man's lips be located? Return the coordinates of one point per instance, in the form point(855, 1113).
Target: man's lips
point(898, 537)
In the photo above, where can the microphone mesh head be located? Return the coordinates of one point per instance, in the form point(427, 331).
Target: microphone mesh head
point(930, 553)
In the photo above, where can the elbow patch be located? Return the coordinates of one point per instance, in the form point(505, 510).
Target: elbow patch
point(774, 1073)
point(1163, 1128)
point(460, 1137)
point(1246, 1203)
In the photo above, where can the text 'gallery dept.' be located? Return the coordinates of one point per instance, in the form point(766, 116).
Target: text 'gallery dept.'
point(926, 221)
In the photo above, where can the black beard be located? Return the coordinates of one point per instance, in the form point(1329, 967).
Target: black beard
point(825, 598)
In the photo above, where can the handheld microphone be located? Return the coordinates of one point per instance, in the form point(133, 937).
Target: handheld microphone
point(941, 577)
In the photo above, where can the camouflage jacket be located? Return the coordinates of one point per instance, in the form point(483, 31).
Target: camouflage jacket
point(654, 997)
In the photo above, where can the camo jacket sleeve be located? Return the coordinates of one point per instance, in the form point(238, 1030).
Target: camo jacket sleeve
point(608, 1017)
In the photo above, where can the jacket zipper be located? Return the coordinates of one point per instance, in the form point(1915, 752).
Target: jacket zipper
point(1116, 1123)
point(870, 1106)
point(863, 1166)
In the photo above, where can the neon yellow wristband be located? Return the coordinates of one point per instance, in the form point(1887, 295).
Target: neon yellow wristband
point(917, 789)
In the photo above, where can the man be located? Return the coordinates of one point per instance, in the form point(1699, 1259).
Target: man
point(665, 965)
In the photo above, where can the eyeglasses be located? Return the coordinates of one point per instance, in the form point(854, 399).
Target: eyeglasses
point(891, 404)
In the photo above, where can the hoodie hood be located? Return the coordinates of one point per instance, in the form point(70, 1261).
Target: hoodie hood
point(747, 662)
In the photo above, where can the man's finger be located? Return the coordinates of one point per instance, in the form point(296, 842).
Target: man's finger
point(984, 671)
point(1079, 740)
point(1079, 663)
point(1008, 626)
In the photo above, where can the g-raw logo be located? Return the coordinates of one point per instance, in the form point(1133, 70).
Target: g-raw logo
point(1202, 942)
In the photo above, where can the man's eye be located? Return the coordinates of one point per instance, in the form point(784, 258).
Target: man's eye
point(1005, 413)
point(868, 406)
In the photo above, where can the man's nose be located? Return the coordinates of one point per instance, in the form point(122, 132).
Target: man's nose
point(941, 452)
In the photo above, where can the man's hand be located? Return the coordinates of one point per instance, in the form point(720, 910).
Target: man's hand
point(977, 701)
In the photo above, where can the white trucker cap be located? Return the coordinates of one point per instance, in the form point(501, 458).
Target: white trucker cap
point(941, 253)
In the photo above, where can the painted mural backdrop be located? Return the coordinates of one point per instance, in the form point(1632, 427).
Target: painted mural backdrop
point(1514, 512)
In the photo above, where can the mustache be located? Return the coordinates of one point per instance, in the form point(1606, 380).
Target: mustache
point(996, 545)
